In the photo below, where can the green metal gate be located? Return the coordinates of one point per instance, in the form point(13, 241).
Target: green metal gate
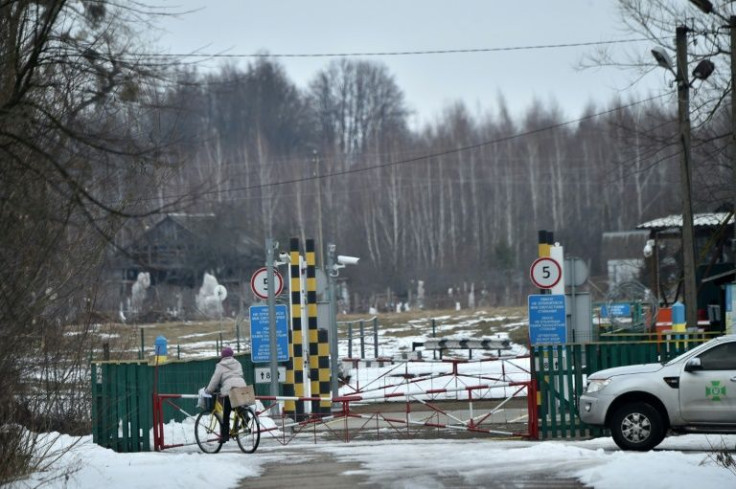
point(122, 397)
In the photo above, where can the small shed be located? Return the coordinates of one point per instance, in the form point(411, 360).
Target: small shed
point(713, 234)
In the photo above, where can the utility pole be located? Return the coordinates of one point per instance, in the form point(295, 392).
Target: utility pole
point(688, 248)
point(318, 181)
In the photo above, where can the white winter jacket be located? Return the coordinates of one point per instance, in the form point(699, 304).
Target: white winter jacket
point(228, 374)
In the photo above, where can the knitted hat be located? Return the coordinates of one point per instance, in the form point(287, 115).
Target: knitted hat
point(226, 352)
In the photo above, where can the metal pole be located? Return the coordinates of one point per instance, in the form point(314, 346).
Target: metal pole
point(375, 337)
point(318, 180)
point(350, 340)
point(362, 340)
point(305, 328)
point(688, 248)
point(332, 332)
point(237, 331)
point(272, 339)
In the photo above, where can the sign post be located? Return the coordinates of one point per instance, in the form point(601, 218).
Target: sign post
point(258, 286)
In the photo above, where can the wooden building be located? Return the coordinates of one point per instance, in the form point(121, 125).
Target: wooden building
point(175, 253)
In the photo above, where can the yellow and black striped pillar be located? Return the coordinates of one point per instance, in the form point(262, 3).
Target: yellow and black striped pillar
point(318, 346)
point(294, 382)
point(323, 370)
point(296, 321)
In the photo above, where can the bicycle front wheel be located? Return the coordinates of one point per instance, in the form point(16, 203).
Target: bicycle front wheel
point(207, 432)
point(248, 432)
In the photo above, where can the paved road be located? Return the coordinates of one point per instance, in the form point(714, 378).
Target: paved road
point(308, 467)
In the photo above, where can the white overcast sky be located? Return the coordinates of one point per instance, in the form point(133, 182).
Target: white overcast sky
point(430, 82)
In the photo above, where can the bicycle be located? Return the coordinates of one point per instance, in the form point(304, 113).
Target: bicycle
point(244, 428)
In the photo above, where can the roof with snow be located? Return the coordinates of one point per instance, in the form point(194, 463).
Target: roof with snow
point(708, 219)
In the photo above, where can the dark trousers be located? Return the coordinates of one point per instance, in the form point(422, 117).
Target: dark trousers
point(226, 409)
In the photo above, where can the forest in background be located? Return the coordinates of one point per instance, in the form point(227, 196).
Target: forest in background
point(455, 203)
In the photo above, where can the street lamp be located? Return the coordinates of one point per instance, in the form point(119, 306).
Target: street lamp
point(702, 71)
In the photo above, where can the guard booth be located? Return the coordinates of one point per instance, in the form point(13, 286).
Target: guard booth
point(123, 397)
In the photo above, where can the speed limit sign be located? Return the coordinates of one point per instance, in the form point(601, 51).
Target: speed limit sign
point(259, 283)
point(545, 272)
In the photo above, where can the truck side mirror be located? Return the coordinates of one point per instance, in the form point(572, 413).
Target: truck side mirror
point(693, 364)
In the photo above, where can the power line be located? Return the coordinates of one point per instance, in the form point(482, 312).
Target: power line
point(396, 53)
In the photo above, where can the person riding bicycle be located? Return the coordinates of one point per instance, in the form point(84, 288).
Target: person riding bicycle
point(228, 374)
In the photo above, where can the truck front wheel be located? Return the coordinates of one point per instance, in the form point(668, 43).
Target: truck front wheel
point(637, 426)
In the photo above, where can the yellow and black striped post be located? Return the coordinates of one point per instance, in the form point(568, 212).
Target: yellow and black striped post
point(318, 346)
point(295, 366)
point(323, 371)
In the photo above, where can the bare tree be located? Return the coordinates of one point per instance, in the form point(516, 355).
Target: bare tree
point(356, 107)
point(73, 147)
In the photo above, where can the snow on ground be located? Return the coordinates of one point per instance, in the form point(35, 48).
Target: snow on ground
point(681, 462)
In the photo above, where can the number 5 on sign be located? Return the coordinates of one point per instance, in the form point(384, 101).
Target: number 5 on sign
point(545, 272)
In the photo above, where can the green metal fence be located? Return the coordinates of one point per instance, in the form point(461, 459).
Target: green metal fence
point(122, 397)
point(560, 371)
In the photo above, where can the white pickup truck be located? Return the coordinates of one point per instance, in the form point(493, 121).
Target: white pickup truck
point(695, 392)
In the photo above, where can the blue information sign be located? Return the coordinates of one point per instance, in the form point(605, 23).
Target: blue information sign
point(259, 334)
point(547, 319)
point(616, 310)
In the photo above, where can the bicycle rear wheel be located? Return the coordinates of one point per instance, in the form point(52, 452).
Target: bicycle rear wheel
point(248, 429)
point(207, 432)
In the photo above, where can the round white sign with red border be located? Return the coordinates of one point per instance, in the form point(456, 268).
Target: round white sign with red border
point(259, 283)
point(545, 272)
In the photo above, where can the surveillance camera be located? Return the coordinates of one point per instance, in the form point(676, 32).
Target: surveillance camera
point(347, 260)
point(284, 257)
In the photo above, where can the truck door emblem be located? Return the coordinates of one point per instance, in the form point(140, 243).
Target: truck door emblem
point(715, 390)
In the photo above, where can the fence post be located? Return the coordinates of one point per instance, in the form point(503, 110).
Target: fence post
point(237, 333)
point(140, 353)
point(350, 340)
point(375, 336)
point(362, 340)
